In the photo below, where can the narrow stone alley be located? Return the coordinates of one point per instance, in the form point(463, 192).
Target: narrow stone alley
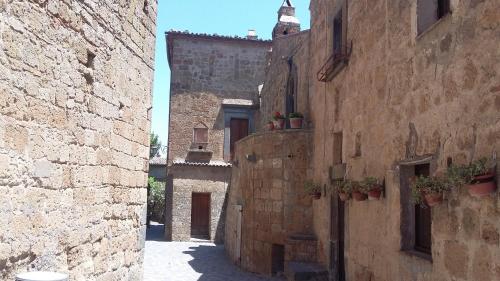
point(189, 261)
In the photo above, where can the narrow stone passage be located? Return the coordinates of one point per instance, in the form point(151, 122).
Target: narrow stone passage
point(189, 261)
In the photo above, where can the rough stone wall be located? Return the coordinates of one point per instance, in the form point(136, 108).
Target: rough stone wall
point(205, 71)
point(271, 193)
point(435, 94)
point(75, 90)
point(186, 180)
point(295, 46)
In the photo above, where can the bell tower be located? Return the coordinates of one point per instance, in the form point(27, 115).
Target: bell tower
point(288, 23)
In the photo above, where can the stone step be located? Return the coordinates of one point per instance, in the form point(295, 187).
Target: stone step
point(302, 271)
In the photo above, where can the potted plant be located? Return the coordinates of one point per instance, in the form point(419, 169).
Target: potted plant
point(478, 176)
point(279, 121)
point(373, 188)
point(313, 189)
point(429, 189)
point(270, 126)
point(344, 189)
point(359, 193)
point(296, 119)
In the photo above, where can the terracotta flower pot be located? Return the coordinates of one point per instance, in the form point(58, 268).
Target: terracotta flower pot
point(296, 123)
point(316, 195)
point(484, 186)
point(279, 124)
point(375, 193)
point(358, 196)
point(270, 126)
point(432, 199)
point(343, 196)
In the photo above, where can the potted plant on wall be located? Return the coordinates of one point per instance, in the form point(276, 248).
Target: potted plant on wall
point(372, 187)
point(313, 189)
point(270, 126)
point(359, 192)
point(478, 177)
point(429, 189)
point(296, 119)
point(279, 121)
point(344, 189)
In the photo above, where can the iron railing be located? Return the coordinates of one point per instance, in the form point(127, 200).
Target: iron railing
point(335, 63)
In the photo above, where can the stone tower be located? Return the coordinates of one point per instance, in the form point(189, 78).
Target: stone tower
point(288, 23)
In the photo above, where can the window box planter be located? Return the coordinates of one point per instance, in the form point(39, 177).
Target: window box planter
point(270, 126)
point(433, 199)
point(344, 196)
point(477, 176)
point(279, 124)
point(296, 120)
point(315, 195)
point(359, 196)
point(483, 185)
point(296, 123)
point(313, 189)
point(375, 193)
point(279, 121)
point(429, 190)
point(372, 187)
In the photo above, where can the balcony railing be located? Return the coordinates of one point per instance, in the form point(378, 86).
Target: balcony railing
point(335, 63)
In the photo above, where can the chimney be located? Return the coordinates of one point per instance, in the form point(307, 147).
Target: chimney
point(252, 35)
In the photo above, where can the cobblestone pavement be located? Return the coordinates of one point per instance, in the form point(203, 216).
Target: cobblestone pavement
point(189, 261)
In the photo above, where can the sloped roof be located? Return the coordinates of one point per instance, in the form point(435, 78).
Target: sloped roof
point(181, 162)
point(158, 161)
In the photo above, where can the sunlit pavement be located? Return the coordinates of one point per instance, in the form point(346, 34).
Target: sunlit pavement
point(189, 261)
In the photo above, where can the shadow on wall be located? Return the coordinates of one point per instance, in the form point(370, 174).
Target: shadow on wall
point(220, 231)
point(211, 262)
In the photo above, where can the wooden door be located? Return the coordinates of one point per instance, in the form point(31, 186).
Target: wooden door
point(239, 130)
point(277, 259)
point(200, 215)
point(337, 239)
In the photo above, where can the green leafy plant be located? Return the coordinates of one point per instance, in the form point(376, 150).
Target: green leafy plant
point(312, 187)
point(277, 116)
point(295, 115)
point(422, 185)
point(344, 186)
point(156, 198)
point(479, 168)
point(359, 187)
point(154, 144)
point(369, 183)
point(466, 174)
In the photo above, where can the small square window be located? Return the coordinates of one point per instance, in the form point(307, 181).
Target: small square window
point(200, 135)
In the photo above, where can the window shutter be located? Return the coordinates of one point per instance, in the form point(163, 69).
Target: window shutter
point(200, 135)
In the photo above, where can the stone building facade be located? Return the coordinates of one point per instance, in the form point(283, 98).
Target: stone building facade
point(75, 94)
point(392, 87)
point(214, 92)
point(270, 218)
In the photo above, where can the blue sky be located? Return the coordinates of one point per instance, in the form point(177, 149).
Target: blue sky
point(224, 17)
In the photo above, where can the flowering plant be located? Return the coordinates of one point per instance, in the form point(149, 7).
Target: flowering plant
point(277, 116)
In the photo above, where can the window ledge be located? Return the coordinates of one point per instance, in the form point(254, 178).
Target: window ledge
point(417, 254)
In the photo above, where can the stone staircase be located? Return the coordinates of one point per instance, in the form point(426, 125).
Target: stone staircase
point(300, 260)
